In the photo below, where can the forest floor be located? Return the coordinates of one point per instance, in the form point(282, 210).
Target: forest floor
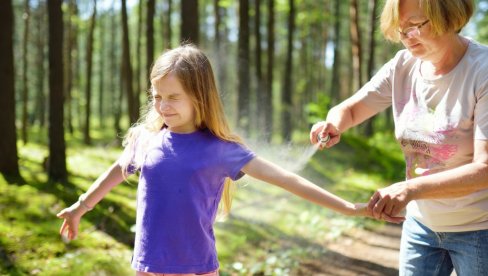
point(358, 252)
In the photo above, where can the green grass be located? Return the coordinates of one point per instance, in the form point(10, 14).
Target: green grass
point(268, 232)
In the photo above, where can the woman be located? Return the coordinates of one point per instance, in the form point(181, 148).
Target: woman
point(438, 90)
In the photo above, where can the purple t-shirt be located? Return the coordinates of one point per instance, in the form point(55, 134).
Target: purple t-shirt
point(181, 183)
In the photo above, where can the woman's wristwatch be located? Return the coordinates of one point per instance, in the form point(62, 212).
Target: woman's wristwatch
point(81, 200)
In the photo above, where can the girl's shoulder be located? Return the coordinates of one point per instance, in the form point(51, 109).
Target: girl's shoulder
point(231, 144)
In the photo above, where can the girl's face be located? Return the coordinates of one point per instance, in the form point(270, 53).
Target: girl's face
point(173, 104)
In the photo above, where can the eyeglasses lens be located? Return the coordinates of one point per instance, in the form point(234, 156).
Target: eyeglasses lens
point(412, 32)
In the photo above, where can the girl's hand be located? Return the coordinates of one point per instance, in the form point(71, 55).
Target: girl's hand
point(71, 216)
point(361, 209)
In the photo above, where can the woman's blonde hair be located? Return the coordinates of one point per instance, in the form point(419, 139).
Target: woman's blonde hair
point(194, 71)
point(445, 16)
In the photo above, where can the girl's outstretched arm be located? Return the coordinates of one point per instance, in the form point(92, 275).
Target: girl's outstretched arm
point(273, 174)
point(72, 215)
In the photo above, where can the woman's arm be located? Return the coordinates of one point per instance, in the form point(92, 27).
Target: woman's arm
point(340, 118)
point(72, 215)
point(273, 174)
point(456, 182)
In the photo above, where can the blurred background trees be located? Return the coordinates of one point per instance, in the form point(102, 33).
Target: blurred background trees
point(81, 65)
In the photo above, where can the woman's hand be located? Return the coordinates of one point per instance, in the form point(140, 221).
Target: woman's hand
point(321, 130)
point(361, 209)
point(71, 216)
point(389, 201)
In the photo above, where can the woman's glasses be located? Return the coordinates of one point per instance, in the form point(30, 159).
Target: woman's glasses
point(413, 31)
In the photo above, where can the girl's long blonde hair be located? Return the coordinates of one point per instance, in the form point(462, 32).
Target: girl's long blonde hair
point(195, 73)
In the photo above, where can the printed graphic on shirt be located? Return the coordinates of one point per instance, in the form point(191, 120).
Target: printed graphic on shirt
point(424, 135)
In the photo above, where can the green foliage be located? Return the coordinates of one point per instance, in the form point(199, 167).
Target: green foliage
point(31, 243)
point(482, 22)
point(317, 111)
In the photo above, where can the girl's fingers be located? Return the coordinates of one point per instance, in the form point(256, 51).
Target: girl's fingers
point(72, 233)
point(60, 213)
point(64, 213)
point(73, 230)
point(69, 228)
point(63, 227)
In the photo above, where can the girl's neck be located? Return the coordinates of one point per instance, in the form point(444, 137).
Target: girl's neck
point(180, 130)
point(450, 52)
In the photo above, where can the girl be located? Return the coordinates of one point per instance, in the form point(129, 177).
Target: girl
point(186, 155)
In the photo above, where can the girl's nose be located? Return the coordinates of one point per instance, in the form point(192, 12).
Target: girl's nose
point(163, 105)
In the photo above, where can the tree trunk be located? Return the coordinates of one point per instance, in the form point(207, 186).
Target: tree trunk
point(117, 93)
point(189, 21)
point(261, 94)
point(101, 79)
point(269, 79)
point(218, 22)
point(372, 42)
point(57, 149)
point(243, 67)
point(217, 45)
point(322, 73)
point(40, 107)
point(336, 66)
point(356, 45)
point(132, 101)
point(75, 107)
point(71, 34)
point(25, 66)
point(9, 163)
point(168, 28)
point(308, 46)
point(151, 6)
point(89, 65)
point(138, 65)
point(368, 131)
point(286, 96)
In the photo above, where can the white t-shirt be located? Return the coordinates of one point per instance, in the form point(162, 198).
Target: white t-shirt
point(436, 123)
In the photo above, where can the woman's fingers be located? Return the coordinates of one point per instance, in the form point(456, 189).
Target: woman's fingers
point(392, 219)
point(379, 208)
point(388, 209)
point(372, 201)
point(315, 131)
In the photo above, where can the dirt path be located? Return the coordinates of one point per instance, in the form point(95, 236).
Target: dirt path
point(358, 252)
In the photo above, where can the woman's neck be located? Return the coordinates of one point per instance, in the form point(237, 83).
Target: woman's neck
point(451, 50)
